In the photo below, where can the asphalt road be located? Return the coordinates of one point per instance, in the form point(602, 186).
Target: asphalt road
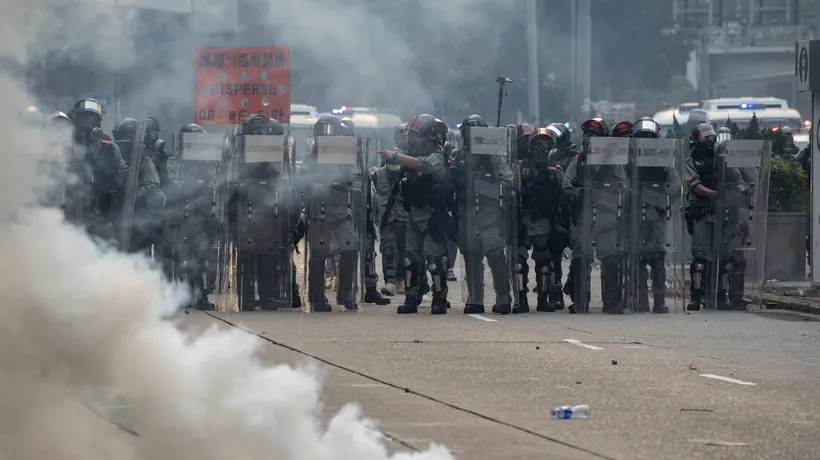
point(679, 386)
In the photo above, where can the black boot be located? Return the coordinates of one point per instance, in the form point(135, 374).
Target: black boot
point(544, 304)
point(439, 307)
point(473, 309)
point(375, 297)
point(523, 303)
point(556, 297)
point(660, 304)
point(502, 309)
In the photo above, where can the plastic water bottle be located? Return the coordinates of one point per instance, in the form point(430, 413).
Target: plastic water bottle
point(565, 412)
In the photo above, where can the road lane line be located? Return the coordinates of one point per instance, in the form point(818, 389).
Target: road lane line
point(482, 318)
point(581, 344)
point(726, 379)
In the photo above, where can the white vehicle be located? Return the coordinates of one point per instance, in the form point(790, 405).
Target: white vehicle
point(769, 115)
point(302, 119)
point(665, 118)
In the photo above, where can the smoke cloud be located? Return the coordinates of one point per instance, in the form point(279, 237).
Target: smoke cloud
point(80, 322)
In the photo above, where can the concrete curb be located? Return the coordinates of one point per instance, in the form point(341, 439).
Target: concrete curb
point(783, 302)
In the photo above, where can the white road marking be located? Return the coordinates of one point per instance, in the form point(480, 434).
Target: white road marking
point(634, 346)
point(581, 344)
point(365, 385)
point(482, 318)
point(726, 379)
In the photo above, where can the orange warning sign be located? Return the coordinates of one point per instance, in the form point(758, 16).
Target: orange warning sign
point(234, 83)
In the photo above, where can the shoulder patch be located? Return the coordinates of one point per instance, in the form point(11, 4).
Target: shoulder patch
point(552, 168)
point(104, 141)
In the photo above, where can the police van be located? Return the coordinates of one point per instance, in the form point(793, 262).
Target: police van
point(302, 119)
point(666, 118)
point(770, 112)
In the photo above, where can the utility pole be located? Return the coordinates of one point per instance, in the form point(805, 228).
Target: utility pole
point(583, 56)
point(532, 71)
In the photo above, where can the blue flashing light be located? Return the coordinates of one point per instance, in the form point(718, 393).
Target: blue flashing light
point(566, 124)
point(751, 106)
point(339, 111)
point(458, 126)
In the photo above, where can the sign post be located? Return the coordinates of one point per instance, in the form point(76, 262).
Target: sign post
point(234, 83)
point(807, 71)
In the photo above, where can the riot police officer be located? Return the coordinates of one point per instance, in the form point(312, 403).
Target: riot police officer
point(595, 230)
point(371, 277)
point(394, 231)
point(523, 135)
point(149, 201)
point(103, 171)
point(266, 203)
point(481, 221)
point(652, 215)
point(336, 215)
point(700, 176)
point(428, 199)
point(548, 220)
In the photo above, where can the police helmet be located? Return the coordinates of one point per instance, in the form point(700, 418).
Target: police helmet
point(595, 127)
point(348, 128)
point(646, 128)
point(559, 133)
point(256, 125)
point(622, 129)
point(328, 125)
point(276, 128)
point(87, 111)
point(426, 126)
point(704, 135)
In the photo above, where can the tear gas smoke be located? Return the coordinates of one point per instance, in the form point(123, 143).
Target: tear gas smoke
point(78, 318)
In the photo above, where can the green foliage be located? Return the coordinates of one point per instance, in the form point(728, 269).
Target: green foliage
point(788, 189)
point(753, 130)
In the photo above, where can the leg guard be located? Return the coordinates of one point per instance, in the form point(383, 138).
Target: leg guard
point(437, 266)
point(414, 273)
point(642, 285)
point(556, 297)
point(697, 273)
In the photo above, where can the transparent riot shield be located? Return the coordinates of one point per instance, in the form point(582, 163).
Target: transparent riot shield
point(265, 206)
point(335, 199)
point(735, 272)
point(602, 233)
point(202, 253)
point(655, 229)
point(132, 184)
point(487, 224)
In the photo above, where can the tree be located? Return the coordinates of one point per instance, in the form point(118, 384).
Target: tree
point(753, 130)
point(734, 128)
